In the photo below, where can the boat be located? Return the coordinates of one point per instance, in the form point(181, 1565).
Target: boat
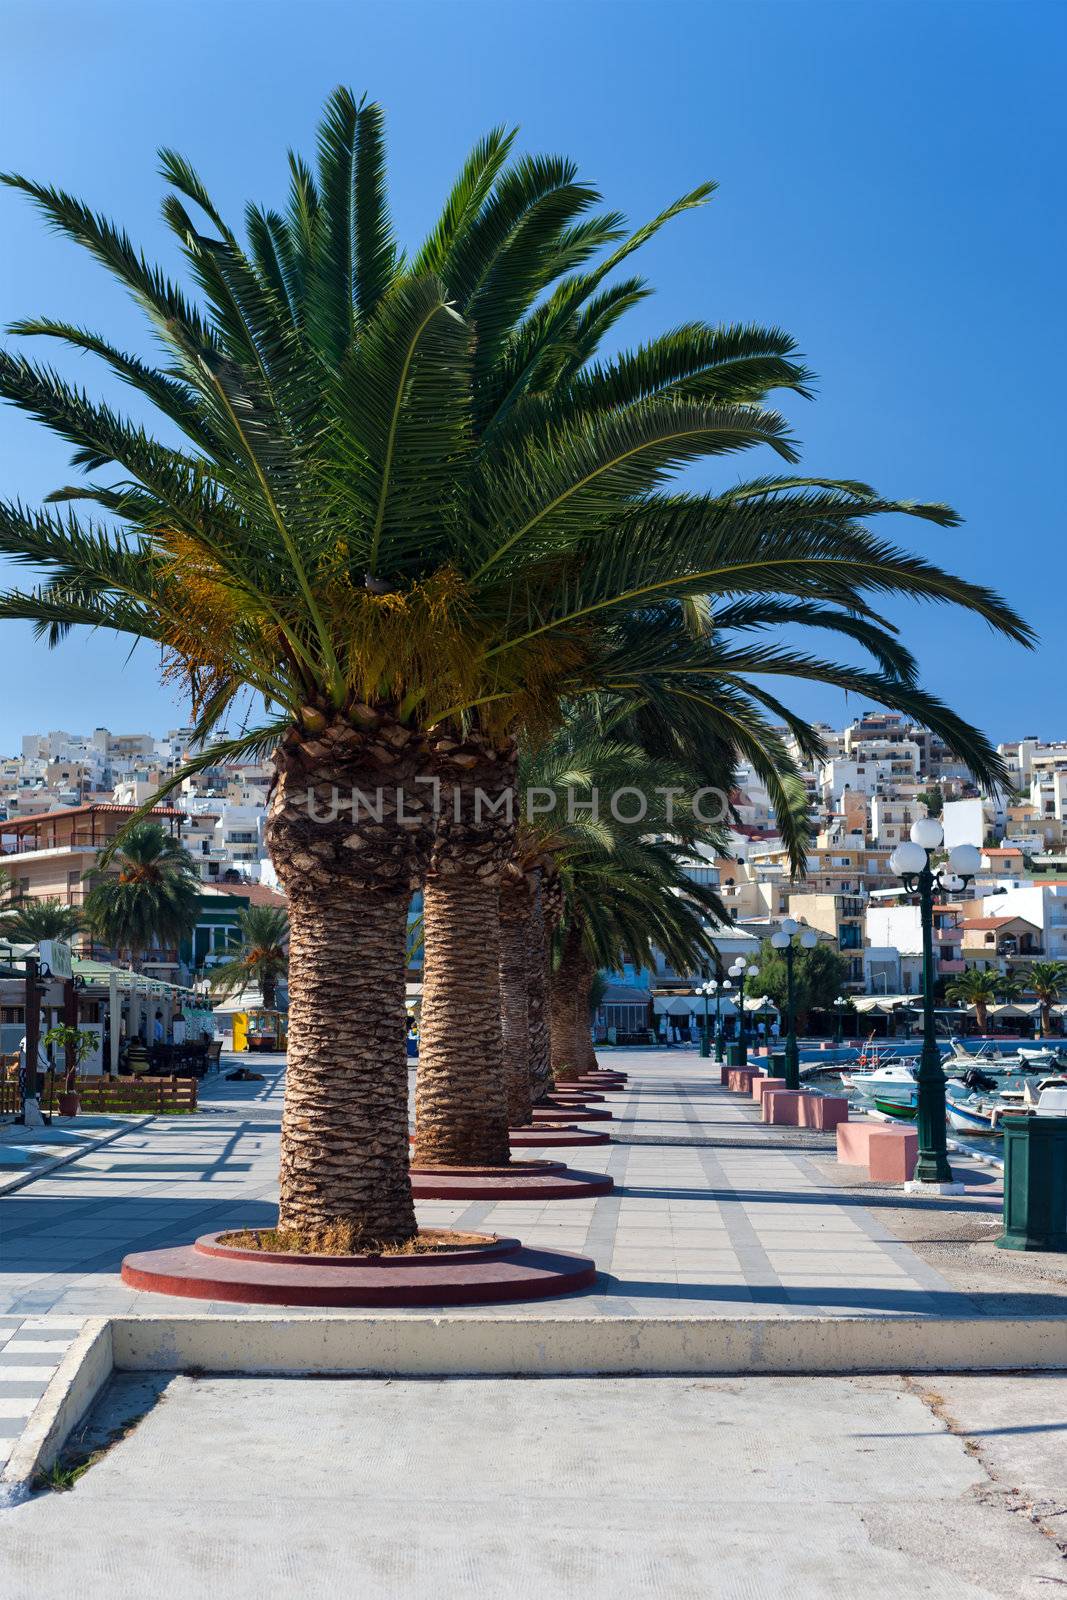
point(1026, 1058)
point(1038, 1056)
point(968, 1112)
point(891, 1089)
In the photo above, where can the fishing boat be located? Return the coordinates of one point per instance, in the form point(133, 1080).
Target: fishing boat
point(968, 1112)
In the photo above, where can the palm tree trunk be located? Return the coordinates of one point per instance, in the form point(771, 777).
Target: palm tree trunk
point(980, 1015)
point(461, 1102)
point(515, 911)
point(345, 1123)
point(564, 999)
point(348, 863)
point(537, 971)
point(584, 1025)
point(270, 993)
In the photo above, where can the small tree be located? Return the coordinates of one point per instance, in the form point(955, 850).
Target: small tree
point(976, 988)
point(261, 957)
point(819, 975)
point(155, 895)
point(1048, 979)
point(933, 799)
point(77, 1045)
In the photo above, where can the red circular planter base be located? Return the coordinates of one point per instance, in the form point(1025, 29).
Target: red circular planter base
point(573, 1111)
point(555, 1134)
point(522, 1180)
point(501, 1270)
point(567, 1094)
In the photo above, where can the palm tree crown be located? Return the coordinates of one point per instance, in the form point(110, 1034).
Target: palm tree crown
point(153, 897)
point(410, 481)
point(34, 920)
point(261, 957)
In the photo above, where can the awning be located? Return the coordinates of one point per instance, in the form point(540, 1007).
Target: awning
point(1011, 1008)
point(666, 1005)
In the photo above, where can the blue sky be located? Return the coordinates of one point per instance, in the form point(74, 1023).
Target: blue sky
point(891, 191)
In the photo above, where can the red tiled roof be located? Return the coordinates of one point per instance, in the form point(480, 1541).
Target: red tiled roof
point(13, 823)
point(1012, 852)
point(985, 923)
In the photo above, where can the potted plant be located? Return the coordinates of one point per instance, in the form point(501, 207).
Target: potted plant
point(76, 1044)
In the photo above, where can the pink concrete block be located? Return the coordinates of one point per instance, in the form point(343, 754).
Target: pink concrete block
point(782, 1106)
point(823, 1111)
point(740, 1080)
point(724, 1075)
point(762, 1086)
point(893, 1154)
point(853, 1139)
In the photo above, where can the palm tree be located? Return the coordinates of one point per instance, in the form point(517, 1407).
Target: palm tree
point(410, 512)
point(1010, 988)
point(33, 920)
point(153, 898)
point(576, 775)
point(260, 958)
point(621, 907)
point(1047, 979)
point(975, 987)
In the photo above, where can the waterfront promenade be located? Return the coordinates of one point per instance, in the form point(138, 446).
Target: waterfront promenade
point(712, 1212)
point(732, 1484)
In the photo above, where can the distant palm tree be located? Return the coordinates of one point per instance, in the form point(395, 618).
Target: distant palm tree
point(33, 920)
point(1047, 979)
point(975, 988)
point(154, 898)
point(261, 958)
point(11, 896)
point(1010, 988)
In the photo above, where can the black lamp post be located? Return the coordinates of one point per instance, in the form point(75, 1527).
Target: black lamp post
point(840, 1007)
point(738, 971)
point(783, 940)
point(912, 862)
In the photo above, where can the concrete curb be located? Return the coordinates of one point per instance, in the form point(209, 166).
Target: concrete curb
point(9, 1185)
point(75, 1384)
point(474, 1344)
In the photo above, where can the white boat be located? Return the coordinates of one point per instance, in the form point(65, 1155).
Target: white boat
point(891, 1089)
point(1027, 1058)
point(1037, 1057)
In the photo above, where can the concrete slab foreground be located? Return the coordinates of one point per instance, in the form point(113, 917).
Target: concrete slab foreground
point(696, 1489)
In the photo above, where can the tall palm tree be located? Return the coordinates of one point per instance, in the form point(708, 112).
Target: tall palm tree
point(977, 988)
point(621, 908)
point(1047, 979)
point(260, 958)
point(33, 920)
point(152, 898)
point(410, 511)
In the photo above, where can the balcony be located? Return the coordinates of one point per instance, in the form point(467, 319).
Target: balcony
point(950, 969)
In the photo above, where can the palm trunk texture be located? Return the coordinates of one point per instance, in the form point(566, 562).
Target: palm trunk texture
point(584, 1040)
point(461, 1103)
point(537, 970)
point(564, 995)
point(515, 912)
point(349, 867)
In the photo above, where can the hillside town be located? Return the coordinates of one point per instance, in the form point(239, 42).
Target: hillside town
point(66, 796)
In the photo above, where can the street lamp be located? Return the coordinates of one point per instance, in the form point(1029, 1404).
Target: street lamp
point(740, 970)
point(709, 988)
point(840, 1007)
point(783, 940)
point(911, 861)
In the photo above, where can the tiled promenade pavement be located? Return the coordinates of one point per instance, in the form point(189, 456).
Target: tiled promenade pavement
point(723, 1217)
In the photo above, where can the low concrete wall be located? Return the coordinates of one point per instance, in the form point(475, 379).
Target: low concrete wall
point(531, 1346)
point(76, 1383)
